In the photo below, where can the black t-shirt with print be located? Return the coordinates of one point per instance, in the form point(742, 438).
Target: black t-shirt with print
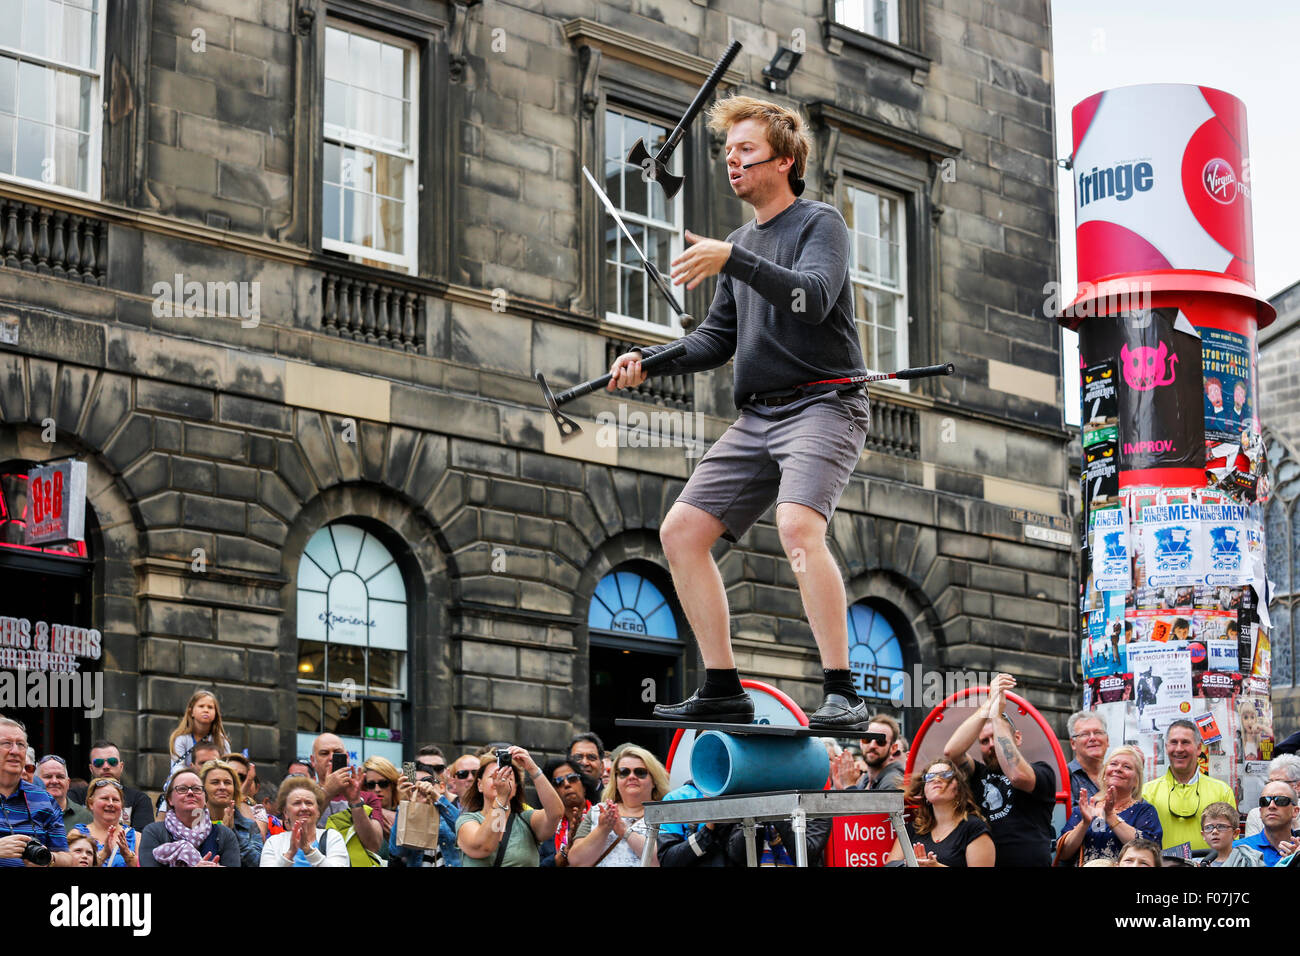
point(952, 850)
point(1021, 821)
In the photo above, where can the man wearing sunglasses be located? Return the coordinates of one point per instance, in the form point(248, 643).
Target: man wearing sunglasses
point(106, 761)
point(877, 751)
point(1183, 792)
point(1285, 768)
point(1277, 808)
point(459, 776)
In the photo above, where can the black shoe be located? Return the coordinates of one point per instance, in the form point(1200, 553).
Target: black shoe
point(836, 714)
point(737, 709)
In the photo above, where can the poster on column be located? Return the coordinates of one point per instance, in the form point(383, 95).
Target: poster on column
point(1223, 537)
point(1111, 565)
point(1162, 684)
point(1170, 545)
point(1225, 365)
point(1161, 426)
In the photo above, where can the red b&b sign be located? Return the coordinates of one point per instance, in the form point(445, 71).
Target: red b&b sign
point(56, 503)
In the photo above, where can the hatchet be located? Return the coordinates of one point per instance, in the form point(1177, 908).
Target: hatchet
point(656, 167)
point(568, 427)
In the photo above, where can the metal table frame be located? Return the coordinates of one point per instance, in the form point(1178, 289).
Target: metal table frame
point(797, 806)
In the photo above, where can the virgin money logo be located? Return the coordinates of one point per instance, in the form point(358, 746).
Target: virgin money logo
point(1220, 181)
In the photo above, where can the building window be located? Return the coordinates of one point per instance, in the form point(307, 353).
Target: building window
point(878, 270)
point(877, 18)
point(50, 76)
point(629, 604)
point(368, 203)
point(352, 643)
point(875, 655)
point(654, 221)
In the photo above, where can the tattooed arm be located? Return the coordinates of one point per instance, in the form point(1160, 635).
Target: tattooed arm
point(1013, 764)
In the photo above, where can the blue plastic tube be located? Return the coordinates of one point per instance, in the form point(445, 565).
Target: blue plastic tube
point(724, 764)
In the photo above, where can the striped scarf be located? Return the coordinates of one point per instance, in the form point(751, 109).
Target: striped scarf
point(184, 850)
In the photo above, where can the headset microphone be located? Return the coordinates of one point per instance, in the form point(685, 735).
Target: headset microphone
point(760, 162)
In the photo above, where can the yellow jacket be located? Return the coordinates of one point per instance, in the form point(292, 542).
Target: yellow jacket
point(1179, 830)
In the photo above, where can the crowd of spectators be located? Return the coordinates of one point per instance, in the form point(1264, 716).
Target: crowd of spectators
point(497, 807)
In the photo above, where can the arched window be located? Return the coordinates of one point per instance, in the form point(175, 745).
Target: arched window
point(628, 604)
point(352, 643)
point(875, 654)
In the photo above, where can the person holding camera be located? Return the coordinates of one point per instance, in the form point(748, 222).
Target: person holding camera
point(31, 823)
point(494, 828)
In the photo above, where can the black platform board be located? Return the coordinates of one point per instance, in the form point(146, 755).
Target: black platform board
point(763, 730)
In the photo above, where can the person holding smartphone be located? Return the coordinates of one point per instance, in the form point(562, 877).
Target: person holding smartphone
point(494, 828)
point(341, 785)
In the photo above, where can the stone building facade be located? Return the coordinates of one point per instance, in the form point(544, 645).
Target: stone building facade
point(285, 295)
point(1279, 401)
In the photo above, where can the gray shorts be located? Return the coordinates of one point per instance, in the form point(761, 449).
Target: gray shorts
point(803, 452)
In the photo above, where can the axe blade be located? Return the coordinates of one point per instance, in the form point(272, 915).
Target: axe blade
point(567, 426)
point(654, 170)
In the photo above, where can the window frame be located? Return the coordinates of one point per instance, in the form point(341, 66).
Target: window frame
point(903, 316)
point(674, 327)
point(409, 261)
point(400, 703)
point(99, 96)
point(908, 51)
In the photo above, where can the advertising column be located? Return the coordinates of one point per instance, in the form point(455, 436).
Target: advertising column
point(1174, 597)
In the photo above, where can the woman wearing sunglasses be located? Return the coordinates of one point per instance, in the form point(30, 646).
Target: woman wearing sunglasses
point(1101, 824)
point(946, 828)
point(572, 785)
point(382, 779)
point(614, 832)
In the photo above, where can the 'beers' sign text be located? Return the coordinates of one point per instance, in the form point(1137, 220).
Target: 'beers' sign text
point(56, 503)
point(41, 646)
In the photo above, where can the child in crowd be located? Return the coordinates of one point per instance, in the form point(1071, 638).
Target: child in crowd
point(201, 721)
point(1140, 853)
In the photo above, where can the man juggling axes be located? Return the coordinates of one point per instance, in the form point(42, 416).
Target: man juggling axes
point(784, 308)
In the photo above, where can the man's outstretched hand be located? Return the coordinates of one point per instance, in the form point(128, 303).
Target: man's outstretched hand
point(704, 258)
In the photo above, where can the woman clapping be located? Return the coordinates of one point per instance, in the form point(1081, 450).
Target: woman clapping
point(304, 844)
point(186, 837)
point(115, 845)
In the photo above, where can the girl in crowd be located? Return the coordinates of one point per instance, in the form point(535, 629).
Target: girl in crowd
point(114, 845)
point(493, 828)
point(220, 787)
point(1100, 825)
point(614, 833)
point(186, 837)
point(201, 721)
point(82, 849)
point(946, 827)
point(247, 803)
point(306, 844)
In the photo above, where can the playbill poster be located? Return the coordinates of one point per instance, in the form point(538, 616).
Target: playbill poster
point(1162, 683)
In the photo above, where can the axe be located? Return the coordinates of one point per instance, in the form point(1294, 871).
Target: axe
point(656, 167)
point(568, 427)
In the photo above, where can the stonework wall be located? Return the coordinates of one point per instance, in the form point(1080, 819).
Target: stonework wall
point(209, 435)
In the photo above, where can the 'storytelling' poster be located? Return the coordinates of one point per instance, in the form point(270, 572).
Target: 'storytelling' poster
point(1226, 368)
point(1160, 410)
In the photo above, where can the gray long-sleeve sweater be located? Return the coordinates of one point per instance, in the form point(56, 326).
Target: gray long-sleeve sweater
point(783, 306)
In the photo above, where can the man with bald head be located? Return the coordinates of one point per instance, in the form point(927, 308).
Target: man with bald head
point(343, 790)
